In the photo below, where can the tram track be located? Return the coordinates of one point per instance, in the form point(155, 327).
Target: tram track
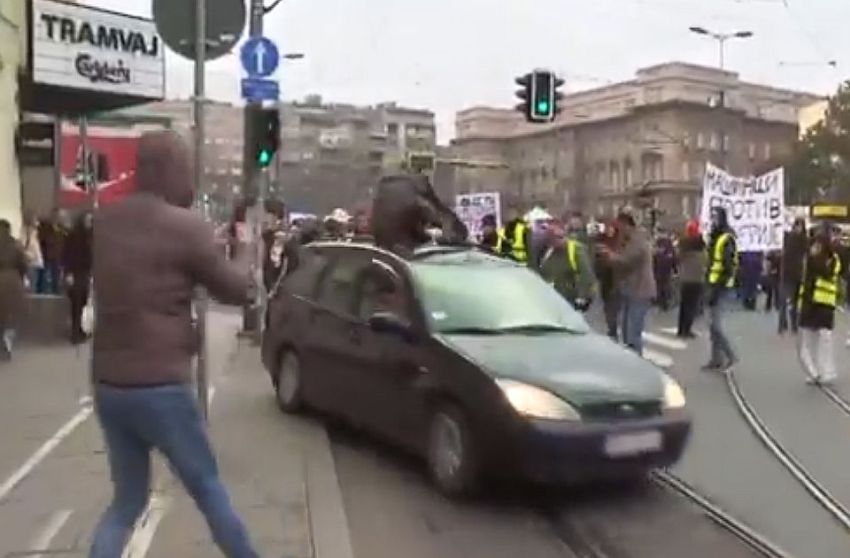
point(788, 460)
point(593, 538)
point(836, 398)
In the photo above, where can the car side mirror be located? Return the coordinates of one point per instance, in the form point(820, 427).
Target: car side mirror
point(389, 322)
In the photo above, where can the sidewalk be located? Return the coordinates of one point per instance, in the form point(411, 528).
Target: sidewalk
point(279, 471)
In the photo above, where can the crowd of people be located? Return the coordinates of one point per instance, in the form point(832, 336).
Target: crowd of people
point(50, 256)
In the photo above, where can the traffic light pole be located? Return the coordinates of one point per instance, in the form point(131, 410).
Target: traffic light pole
point(252, 312)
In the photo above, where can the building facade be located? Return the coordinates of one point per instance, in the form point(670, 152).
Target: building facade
point(644, 142)
point(12, 59)
point(332, 155)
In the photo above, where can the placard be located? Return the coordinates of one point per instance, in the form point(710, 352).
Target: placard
point(472, 208)
point(755, 206)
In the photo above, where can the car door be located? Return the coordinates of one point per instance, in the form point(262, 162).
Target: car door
point(387, 364)
point(330, 324)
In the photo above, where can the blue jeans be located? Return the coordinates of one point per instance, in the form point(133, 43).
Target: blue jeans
point(166, 418)
point(722, 352)
point(634, 318)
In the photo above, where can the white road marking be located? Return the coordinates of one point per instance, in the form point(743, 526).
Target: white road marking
point(40, 546)
point(23, 472)
point(659, 359)
point(142, 537)
point(675, 330)
point(666, 342)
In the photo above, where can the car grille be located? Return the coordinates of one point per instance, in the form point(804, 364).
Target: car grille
point(621, 410)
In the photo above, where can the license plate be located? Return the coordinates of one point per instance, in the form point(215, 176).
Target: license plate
point(622, 445)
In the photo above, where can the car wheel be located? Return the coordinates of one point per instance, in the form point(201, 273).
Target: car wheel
point(451, 456)
point(288, 385)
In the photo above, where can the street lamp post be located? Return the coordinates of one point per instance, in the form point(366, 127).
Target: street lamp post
point(721, 39)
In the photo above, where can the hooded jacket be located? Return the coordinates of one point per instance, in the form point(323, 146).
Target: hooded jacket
point(150, 252)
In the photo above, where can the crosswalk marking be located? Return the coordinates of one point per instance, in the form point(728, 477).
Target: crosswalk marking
point(663, 341)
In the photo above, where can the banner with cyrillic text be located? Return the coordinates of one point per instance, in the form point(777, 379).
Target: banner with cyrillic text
point(755, 206)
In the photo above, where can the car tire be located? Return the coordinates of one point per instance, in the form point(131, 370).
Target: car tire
point(451, 456)
point(288, 385)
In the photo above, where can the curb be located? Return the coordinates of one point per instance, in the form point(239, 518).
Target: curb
point(328, 522)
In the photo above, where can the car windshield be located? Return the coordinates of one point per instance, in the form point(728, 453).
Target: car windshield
point(490, 297)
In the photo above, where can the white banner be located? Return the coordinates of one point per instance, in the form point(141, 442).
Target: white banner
point(755, 206)
point(471, 208)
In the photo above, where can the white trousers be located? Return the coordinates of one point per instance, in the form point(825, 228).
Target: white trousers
point(817, 353)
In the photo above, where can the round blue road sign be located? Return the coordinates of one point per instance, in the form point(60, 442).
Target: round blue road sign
point(260, 57)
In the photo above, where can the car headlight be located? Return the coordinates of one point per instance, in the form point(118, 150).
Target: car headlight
point(674, 395)
point(534, 402)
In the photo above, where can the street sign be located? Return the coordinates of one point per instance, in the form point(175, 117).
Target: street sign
point(260, 57)
point(257, 90)
point(175, 21)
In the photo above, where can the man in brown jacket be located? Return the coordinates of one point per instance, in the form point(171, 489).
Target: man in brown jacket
point(150, 251)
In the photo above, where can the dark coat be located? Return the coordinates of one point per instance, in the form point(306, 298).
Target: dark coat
point(150, 252)
point(13, 267)
point(793, 255)
point(77, 251)
point(816, 316)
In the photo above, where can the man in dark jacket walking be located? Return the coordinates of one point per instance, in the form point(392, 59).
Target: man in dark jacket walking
point(77, 262)
point(793, 256)
point(150, 251)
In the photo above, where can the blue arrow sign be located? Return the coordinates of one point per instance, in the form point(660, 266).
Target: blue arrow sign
point(256, 90)
point(260, 57)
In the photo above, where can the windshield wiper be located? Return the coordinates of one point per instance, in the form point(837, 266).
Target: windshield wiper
point(540, 328)
point(472, 331)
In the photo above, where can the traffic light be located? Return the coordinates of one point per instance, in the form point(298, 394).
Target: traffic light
point(266, 136)
point(539, 95)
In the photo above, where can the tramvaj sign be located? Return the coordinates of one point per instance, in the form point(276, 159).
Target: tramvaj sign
point(755, 206)
point(81, 47)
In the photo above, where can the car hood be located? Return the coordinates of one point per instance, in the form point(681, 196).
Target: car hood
point(582, 369)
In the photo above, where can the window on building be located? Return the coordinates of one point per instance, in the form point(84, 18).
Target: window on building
point(700, 141)
point(752, 151)
point(628, 175)
point(615, 176)
point(727, 142)
point(686, 203)
point(715, 141)
point(686, 140)
point(767, 151)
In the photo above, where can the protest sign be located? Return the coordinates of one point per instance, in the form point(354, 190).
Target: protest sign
point(471, 208)
point(755, 206)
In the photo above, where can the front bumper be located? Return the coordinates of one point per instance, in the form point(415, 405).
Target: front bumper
point(571, 453)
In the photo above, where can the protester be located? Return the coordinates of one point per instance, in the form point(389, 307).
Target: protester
point(692, 261)
point(567, 266)
point(793, 256)
point(634, 277)
point(515, 237)
point(723, 264)
point(13, 268)
point(150, 252)
point(818, 299)
point(489, 233)
point(770, 280)
point(77, 261)
point(751, 274)
point(664, 267)
point(609, 291)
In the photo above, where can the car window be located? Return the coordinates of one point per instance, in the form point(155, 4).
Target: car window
point(338, 285)
point(380, 292)
point(484, 297)
point(304, 279)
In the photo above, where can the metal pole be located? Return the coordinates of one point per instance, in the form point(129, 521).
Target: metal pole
point(202, 377)
point(722, 41)
point(251, 187)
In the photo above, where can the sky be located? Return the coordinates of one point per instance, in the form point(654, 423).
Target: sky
point(447, 55)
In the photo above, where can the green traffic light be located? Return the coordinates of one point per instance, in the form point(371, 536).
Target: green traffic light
point(543, 107)
point(265, 157)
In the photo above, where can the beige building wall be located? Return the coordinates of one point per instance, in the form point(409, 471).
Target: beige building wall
point(12, 57)
point(812, 115)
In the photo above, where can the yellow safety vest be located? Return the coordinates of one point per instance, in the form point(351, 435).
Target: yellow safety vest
point(715, 272)
point(519, 251)
point(572, 254)
point(826, 290)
